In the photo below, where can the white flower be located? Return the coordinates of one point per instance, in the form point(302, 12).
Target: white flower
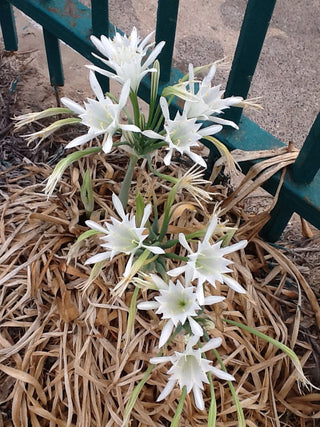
point(208, 263)
point(177, 304)
point(125, 56)
point(209, 100)
point(101, 116)
point(122, 236)
point(182, 133)
point(189, 369)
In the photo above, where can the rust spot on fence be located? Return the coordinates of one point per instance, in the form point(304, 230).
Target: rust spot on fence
point(71, 9)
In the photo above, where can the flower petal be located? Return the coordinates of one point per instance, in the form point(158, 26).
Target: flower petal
point(233, 284)
point(166, 332)
point(195, 327)
point(148, 305)
point(98, 258)
point(221, 374)
point(96, 227)
point(198, 398)
point(212, 299)
point(167, 390)
point(118, 206)
point(74, 106)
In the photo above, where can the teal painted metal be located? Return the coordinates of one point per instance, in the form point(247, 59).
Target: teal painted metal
point(8, 26)
point(307, 164)
point(253, 31)
point(167, 16)
point(100, 17)
point(72, 22)
point(100, 25)
point(53, 58)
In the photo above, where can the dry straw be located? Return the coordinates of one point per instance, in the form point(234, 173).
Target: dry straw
point(65, 356)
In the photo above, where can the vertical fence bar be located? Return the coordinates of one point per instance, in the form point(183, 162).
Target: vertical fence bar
point(251, 38)
point(100, 25)
point(307, 163)
point(8, 26)
point(167, 16)
point(53, 58)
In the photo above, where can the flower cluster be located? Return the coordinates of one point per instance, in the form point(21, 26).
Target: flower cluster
point(181, 294)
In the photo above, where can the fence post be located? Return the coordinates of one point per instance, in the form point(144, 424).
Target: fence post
point(253, 31)
point(8, 26)
point(100, 25)
point(307, 163)
point(53, 58)
point(167, 16)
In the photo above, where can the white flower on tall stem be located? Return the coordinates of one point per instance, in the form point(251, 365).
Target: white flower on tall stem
point(190, 370)
point(208, 262)
point(122, 236)
point(182, 134)
point(125, 56)
point(209, 99)
point(101, 116)
point(177, 304)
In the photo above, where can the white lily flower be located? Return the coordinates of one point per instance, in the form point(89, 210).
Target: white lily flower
point(208, 262)
point(122, 236)
point(101, 116)
point(182, 133)
point(209, 99)
point(177, 304)
point(189, 369)
point(125, 56)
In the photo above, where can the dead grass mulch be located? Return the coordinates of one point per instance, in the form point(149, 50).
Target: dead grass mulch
point(64, 356)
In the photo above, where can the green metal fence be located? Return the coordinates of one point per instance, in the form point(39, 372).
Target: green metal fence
point(73, 23)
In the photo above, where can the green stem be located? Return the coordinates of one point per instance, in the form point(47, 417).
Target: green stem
point(176, 418)
point(125, 187)
point(161, 175)
point(240, 414)
point(212, 416)
point(135, 106)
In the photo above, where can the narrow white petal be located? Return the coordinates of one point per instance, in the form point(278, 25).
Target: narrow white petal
point(184, 243)
point(164, 108)
point(166, 332)
point(146, 214)
point(223, 122)
point(154, 249)
point(124, 94)
point(128, 266)
point(98, 258)
point(160, 359)
point(200, 293)
point(210, 345)
point(167, 158)
point(96, 227)
point(154, 54)
point(95, 86)
point(107, 145)
point(198, 398)
point(167, 390)
point(233, 284)
point(221, 374)
point(152, 135)
point(213, 300)
point(211, 227)
point(235, 247)
point(210, 130)
point(118, 206)
point(148, 305)
point(195, 327)
point(130, 128)
point(197, 159)
point(73, 106)
point(101, 70)
point(80, 140)
point(176, 271)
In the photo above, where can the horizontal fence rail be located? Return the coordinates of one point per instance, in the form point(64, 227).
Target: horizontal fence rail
point(73, 23)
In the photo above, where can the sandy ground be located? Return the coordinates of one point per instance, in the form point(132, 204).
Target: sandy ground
point(287, 76)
